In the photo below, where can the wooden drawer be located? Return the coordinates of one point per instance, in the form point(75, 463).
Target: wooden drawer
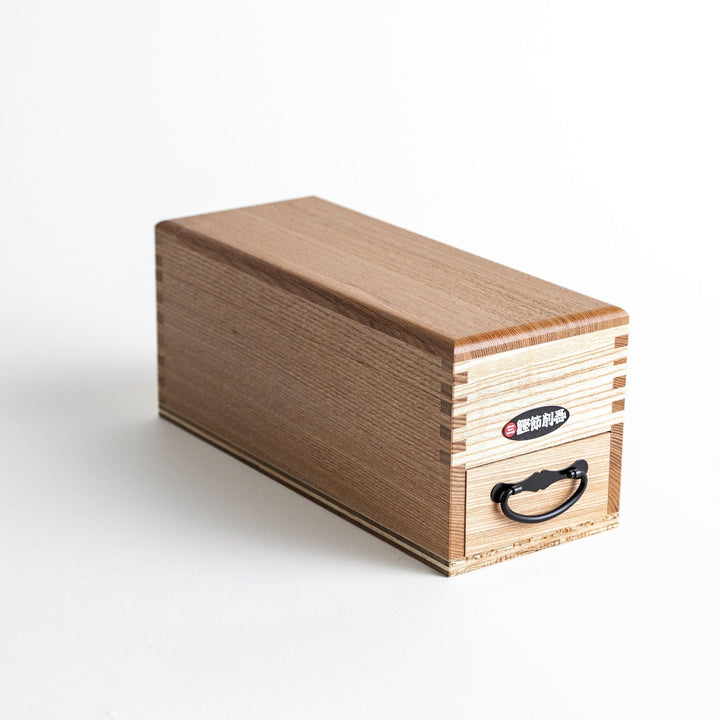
point(487, 528)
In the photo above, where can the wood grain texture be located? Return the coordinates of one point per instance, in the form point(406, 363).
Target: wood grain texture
point(340, 407)
point(616, 434)
point(487, 526)
point(616, 439)
point(577, 373)
point(372, 369)
point(425, 293)
point(437, 563)
point(542, 541)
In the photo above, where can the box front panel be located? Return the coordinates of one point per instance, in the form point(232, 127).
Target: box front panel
point(583, 375)
point(531, 409)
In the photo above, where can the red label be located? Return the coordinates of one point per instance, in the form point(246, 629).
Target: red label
point(509, 429)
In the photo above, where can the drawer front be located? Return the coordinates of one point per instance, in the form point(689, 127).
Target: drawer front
point(487, 528)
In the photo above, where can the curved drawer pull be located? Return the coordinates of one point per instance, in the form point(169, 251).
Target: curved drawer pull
point(539, 481)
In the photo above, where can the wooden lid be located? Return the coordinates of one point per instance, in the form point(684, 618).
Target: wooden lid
point(426, 293)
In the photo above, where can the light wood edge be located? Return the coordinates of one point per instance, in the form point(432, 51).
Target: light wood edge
point(616, 440)
point(458, 478)
point(616, 435)
point(521, 336)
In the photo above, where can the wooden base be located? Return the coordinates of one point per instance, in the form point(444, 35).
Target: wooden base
point(537, 542)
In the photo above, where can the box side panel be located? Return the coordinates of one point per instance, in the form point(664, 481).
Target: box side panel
point(338, 406)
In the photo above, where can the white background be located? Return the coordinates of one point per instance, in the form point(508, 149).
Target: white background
point(145, 574)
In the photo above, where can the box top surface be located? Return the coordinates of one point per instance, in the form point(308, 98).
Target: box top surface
point(424, 292)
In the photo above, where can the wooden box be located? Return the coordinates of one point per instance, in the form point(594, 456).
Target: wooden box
point(408, 386)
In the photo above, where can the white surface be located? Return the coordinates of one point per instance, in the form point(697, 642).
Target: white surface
point(144, 574)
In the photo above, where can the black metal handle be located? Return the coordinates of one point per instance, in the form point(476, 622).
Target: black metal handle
point(539, 481)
